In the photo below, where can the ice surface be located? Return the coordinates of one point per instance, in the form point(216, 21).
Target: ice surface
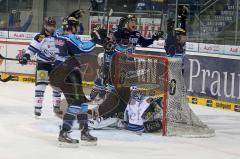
point(22, 136)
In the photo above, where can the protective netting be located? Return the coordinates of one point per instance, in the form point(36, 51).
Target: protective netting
point(161, 77)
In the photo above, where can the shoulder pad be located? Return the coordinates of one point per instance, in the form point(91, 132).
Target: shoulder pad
point(39, 37)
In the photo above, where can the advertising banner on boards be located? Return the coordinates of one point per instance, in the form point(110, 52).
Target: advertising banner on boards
point(213, 77)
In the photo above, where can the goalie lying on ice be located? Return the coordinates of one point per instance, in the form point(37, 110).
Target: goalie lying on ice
point(141, 114)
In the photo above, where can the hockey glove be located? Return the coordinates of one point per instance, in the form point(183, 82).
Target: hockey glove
point(23, 59)
point(99, 36)
point(122, 23)
point(157, 35)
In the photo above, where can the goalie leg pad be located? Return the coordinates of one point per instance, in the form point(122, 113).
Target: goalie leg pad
point(152, 126)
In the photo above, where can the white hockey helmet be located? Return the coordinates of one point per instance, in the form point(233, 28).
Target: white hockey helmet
point(134, 88)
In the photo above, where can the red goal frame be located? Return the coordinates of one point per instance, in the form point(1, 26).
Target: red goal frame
point(116, 77)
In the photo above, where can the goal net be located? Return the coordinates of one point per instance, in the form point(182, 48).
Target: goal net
point(161, 77)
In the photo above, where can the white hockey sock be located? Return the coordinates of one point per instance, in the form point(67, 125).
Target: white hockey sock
point(56, 99)
point(39, 95)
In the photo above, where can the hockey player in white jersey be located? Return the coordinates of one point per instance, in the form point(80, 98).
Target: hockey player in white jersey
point(142, 114)
point(43, 47)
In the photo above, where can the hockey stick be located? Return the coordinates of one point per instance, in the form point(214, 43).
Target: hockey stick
point(109, 15)
point(9, 77)
point(13, 59)
point(5, 58)
point(104, 14)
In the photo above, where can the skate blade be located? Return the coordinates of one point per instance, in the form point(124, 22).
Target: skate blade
point(36, 117)
point(67, 145)
point(86, 143)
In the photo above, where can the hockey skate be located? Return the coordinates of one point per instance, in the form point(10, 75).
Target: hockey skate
point(66, 141)
point(37, 113)
point(87, 139)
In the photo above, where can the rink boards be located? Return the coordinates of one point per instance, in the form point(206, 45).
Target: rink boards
point(212, 69)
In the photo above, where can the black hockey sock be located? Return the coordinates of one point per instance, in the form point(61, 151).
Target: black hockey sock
point(83, 120)
point(67, 122)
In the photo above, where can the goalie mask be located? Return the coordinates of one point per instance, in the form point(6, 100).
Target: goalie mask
point(135, 93)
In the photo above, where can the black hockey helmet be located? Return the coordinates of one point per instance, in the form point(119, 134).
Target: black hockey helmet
point(131, 18)
point(49, 21)
point(124, 20)
point(68, 22)
point(72, 19)
point(77, 13)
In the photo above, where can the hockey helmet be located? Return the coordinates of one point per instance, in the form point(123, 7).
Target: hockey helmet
point(68, 22)
point(131, 18)
point(180, 31)
point(134, 87)
point(50, 21)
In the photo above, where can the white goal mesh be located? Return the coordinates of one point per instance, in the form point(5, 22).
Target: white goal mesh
point(161, 77)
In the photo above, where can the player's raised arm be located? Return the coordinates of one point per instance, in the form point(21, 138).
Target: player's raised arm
point(146, 42)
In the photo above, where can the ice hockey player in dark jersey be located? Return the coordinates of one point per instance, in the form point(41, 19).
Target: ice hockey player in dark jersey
point(103, 78)
point(67, 76)
point(43, 47)
point(103, 83)
point(128, 25)
point(175, 43)
point(123, 40)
